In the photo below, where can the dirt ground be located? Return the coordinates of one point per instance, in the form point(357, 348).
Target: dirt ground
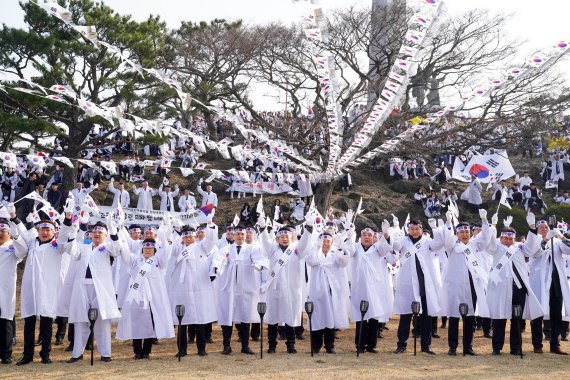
point(344, 364)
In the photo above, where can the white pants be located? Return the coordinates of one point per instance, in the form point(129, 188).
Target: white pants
point(101, 329)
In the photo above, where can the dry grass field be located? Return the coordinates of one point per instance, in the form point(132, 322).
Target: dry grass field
point(343, 365)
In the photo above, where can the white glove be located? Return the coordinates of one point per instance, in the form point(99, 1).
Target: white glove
point(449, 216)
point(483, 213)
point(530, 219)
point(83, 217)
point(31, 217)
point(495, 219)
point(349, 218)
point(385, 226)
point(395, 221)
point(310, 219)
point(210, 217)
point(69, 207)
point(201, 180)
point(507, 222)
point(261, 221)
point(112, 179)
point(553, 234)
point(432, 223)
point(10, 208)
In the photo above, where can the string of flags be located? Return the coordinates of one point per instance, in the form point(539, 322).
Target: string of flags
point(315, 29)
point(537, 62)
point(419, 26)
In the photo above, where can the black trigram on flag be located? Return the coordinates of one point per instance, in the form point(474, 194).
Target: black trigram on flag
point(492, 163)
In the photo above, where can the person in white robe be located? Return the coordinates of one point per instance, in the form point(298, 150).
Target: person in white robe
point(509, 286)
point(236, 266)
point(167, 197)
point(371, 283)
point(283, 287)
point(187, 202)
point(145, 194)
point(120, 195)
point(40, 284)
point(548, 250)
point(189, 283)
point(146, 312)
point(92, 286)
point(465, 282)
point(329, 292)
point(10, 256)
point(208, 196)
point(416, 282)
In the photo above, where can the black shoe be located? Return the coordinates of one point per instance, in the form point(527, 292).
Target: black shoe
point(372, 350)
point(517, 352)
point(488, 335)
point(300, 337)
point(400, 350)
point(202, 353)
point(145, 356)
point(69, 348)
point(58, 342)
point(73, 360)
point(136, 357)
point(428, 350)
point(330, 351)
point(247, 351)
point(210, 340)
point(360, 350)
point(452, 352)
point(106, 359)
point(291, 349)
point(46, 360)
point(155, 341)
point(271, 351)
point(181, 354)
point(443, 326)
point(435, 335)
point(6, 360)
point(227, 350)
point(316, 350)
point(496, 352)
point(24, 361)
point(469, 352)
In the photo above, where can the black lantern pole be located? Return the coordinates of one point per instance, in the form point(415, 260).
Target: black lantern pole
point(180, 310)
point(415, 311)
point(309, 307)
point(517, 314)
point(92, 315)
point(463, 311)
point(261, 310)
point(363, 310)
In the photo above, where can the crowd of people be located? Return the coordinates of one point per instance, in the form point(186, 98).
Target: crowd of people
point(139, 277)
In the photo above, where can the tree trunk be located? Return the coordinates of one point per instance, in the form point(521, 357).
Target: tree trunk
point(323, 196)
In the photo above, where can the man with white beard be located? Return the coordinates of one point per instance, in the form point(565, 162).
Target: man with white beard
point(328, 290)
point(284, 285)
point(236, 267)
point(508, 286)
point(415, 282)
point(548, 249)
point(370, 282)
point(465, 282)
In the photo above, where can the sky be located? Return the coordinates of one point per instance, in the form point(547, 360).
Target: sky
point(541, 24)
